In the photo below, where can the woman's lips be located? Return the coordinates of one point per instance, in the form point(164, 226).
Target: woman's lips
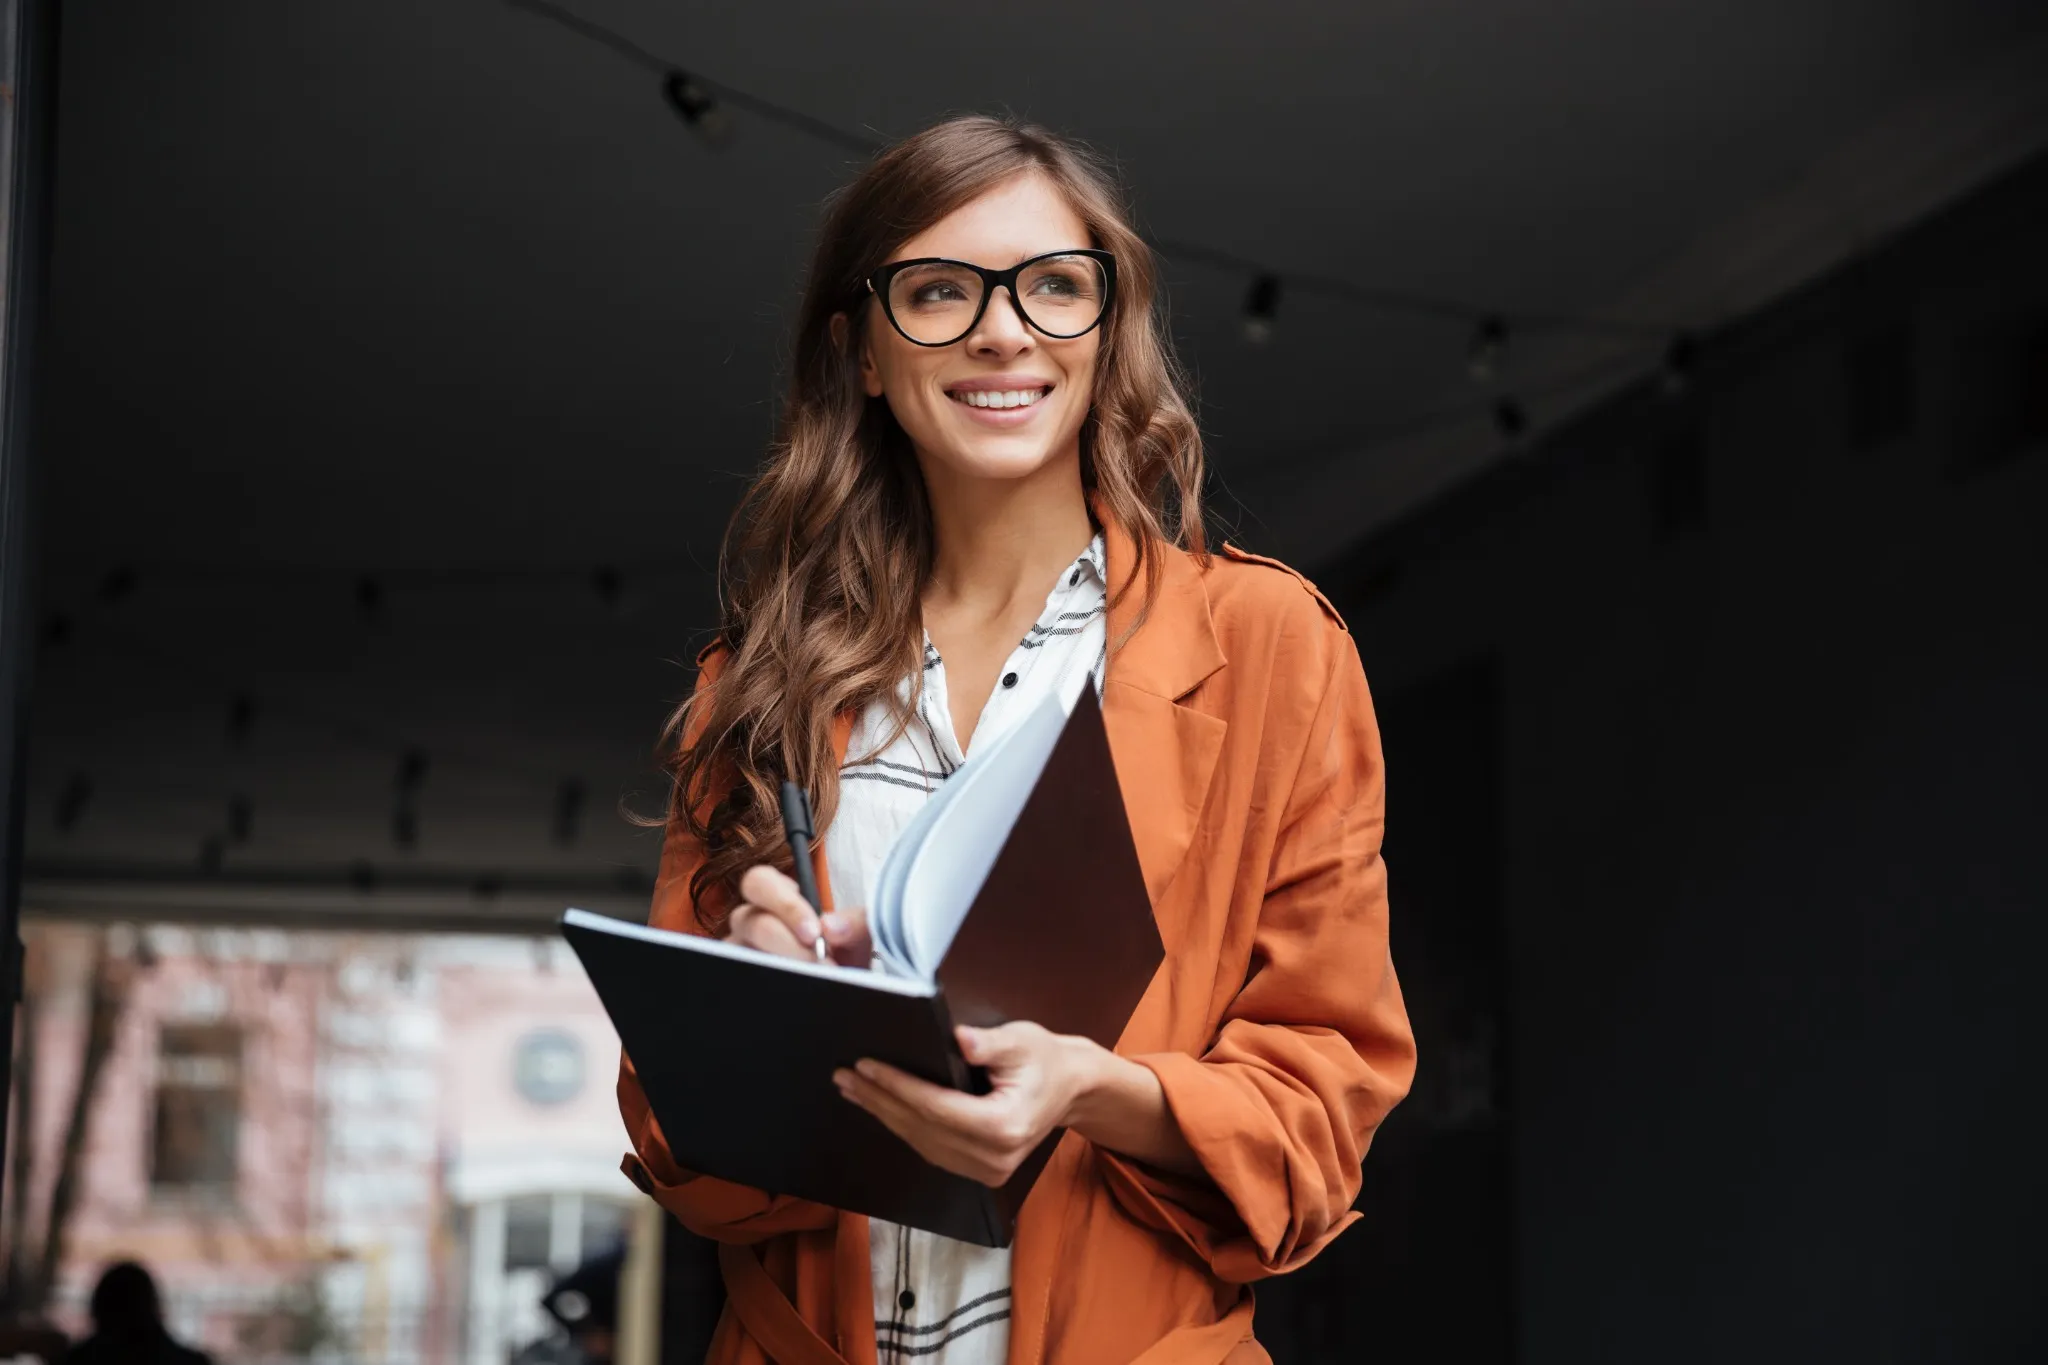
point(999, 407)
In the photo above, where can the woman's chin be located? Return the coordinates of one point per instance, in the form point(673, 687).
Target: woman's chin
point(1002, 459)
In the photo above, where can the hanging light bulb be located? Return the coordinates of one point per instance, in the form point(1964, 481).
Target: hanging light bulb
point(1510, 421)
point(72, 801)
point(119, 582)
point(1262, 309)
point(412, 770)
point(568, 811)
point(697, 107)
point(1489, 352)
point(241, 719)
point(370, 598)
point(1674, 376)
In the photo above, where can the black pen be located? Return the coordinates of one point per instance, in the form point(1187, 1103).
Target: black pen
point(796, 828)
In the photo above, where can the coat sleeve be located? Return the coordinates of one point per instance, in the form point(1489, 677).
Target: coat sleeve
point(1316, 1048)
point(709, 1207)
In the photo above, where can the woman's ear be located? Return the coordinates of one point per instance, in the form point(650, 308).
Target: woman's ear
point(870, 377)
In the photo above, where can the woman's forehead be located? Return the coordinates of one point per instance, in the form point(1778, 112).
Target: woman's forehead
point(1018, 219)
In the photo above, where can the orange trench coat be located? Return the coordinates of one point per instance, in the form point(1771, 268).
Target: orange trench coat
point(1250, 764)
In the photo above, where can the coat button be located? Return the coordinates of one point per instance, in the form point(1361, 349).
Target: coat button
point(1009, 679)
point(906, 1300)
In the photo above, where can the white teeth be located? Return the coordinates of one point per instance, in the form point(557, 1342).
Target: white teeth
point(1000, 398)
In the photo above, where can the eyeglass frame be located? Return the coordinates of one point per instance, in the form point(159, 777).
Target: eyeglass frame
point(991, 280)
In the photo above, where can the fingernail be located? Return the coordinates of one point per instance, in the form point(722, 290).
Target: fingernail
point(841, 1079)
point(865, 1068)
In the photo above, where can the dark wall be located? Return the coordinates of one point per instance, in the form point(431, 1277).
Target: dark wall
point(1772, 847)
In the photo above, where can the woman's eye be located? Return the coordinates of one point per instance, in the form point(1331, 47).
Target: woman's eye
point(938, 293)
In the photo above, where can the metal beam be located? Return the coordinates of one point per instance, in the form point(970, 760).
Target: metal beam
point(31, 39)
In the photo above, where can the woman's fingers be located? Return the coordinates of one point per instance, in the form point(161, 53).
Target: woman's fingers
point(846, 934)
point(752, 927)
point(939, 1143)
point(771, 891)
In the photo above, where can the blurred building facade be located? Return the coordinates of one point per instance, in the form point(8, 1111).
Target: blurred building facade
point(326, 1146)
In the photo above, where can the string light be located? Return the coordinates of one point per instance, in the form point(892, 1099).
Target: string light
point(1488, 354)
point(568, 811)
point(1680, 357)
point(241, 719)
point(370, 597)
point(72, 801)
point(1261, 309)
point(118, 583)
point(1510, 421)
point(696, 107)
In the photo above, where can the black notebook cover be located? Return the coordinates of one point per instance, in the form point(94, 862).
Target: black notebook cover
point(736, 1051)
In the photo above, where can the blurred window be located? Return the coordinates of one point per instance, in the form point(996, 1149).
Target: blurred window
point(198, 1108)
point(529, 1223)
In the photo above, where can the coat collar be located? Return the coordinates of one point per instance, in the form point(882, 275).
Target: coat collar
point(1165, 753)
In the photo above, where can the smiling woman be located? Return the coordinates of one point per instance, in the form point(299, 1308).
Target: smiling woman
point(986, 492)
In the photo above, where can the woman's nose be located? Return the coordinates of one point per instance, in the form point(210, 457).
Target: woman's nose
point(1002, 329)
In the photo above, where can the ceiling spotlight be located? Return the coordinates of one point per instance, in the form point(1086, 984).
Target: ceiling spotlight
point(1680, 358)
point(1261, 309)
point(1489, 351)
point(696, 106)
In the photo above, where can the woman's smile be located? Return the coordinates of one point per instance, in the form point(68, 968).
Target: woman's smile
point(1002, 400)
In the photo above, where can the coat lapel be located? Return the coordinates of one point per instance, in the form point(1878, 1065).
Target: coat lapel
point(1165, 753)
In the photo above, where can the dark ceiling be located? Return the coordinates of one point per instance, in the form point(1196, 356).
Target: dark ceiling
point(444, 297)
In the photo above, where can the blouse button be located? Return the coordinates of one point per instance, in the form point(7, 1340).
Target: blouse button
point(906, 1301)
point(1009, 679)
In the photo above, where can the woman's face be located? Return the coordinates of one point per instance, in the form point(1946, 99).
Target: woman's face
point(931, 389)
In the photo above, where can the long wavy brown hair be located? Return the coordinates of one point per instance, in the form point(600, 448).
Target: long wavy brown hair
point(826, 558)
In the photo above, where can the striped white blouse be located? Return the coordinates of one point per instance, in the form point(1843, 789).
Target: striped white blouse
point(938, 1301)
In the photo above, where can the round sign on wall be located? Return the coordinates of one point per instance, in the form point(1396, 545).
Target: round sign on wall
point(547, 1066)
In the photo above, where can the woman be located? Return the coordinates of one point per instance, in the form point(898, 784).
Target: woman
point(987, 489)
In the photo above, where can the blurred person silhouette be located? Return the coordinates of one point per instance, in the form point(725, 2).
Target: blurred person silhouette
point(128, 1324)
point(586, 1304)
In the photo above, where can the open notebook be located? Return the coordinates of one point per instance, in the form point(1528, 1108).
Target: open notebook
point(1015, 893)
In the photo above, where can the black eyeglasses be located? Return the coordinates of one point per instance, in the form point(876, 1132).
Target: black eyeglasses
point(934, 302)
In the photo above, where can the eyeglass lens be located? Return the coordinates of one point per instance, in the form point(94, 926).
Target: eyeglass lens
point(936, 303)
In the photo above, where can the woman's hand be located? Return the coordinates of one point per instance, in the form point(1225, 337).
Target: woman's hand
point(1041, 1081)
point(1037, 1077)
point(773, 917)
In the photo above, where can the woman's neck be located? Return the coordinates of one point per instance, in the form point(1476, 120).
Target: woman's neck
point(996, 543)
